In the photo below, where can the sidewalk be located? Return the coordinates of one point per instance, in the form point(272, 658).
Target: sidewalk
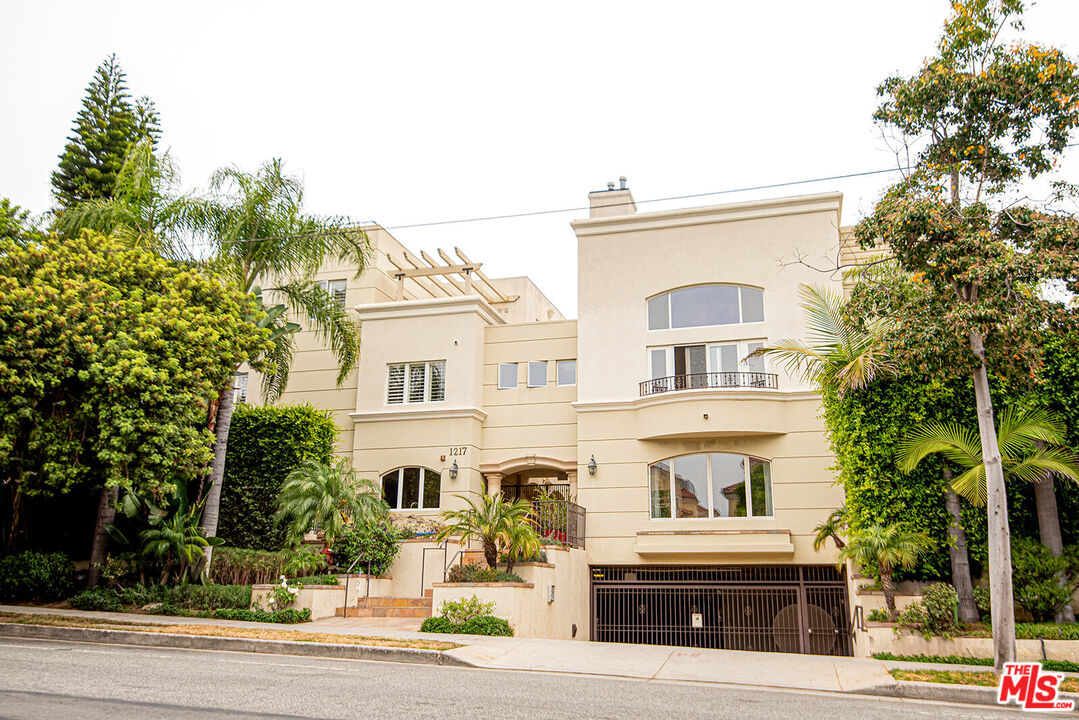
point(652, 662)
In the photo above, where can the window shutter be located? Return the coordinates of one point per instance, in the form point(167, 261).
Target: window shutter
point(416, 372)
point(438, 381)
point(395, 385)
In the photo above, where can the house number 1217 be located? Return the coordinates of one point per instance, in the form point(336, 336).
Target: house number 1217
point(461, 450)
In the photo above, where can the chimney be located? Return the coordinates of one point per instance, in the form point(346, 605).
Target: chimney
point(611, 202)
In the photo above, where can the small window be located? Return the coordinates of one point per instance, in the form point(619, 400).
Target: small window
point(507, 376)
point(537, 373)
point(411, 488)
point(416, 382)
point(336, 290)
point(239, 388)
point(567, 372)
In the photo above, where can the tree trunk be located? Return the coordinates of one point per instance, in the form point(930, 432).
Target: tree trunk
point(211, 510)
point(839, 544)
point(106, 514)
point(888, 587)
point(16, 518)
point(959, 555)
point(1000, 546)
point(1045, 499)
point(490, 554)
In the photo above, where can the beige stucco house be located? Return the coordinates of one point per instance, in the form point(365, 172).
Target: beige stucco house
point(693, 477)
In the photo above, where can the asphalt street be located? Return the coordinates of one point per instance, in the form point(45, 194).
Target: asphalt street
point(48, 679)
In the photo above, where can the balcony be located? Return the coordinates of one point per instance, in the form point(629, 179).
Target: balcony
point(702, 381)
point(560, 520)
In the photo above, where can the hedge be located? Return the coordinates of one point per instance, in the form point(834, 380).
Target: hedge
point(265, 444)
point(238, 566)
point(36, 576)
point(484, 625)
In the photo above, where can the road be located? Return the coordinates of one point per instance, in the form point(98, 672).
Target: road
point(48, 679)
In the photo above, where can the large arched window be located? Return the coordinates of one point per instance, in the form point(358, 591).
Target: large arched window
point(411, 488)
point(703, 305)
point(710, 485)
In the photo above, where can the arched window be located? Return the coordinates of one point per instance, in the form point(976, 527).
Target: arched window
point(710, 485)
point(703, 305)
point(411, 488)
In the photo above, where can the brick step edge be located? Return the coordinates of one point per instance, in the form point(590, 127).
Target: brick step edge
point(205, 642)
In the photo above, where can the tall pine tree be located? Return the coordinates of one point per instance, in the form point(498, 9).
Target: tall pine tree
point(103, 131)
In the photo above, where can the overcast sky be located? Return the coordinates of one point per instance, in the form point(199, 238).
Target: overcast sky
point(409, 113)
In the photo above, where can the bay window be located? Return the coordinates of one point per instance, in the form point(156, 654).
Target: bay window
point(712, 485)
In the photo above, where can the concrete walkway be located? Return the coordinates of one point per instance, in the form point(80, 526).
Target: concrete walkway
point(806, 672)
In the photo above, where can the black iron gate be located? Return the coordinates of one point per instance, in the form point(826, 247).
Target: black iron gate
point(790, 608)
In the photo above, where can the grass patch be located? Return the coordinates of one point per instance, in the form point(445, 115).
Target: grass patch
point(1054, 665)
point(1028, 631)
point(957, 677)
point(221, 631)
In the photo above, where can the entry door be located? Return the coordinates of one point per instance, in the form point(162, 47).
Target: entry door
point(691, 361)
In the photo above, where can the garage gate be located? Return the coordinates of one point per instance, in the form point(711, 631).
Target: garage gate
point(798, 609)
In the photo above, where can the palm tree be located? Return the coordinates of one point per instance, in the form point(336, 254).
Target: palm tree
point(886, 547)
point(258, 233)
point(1029, 440)
point(838, 354)
point(832, 528)
point(488, 520)
point(521, 542)
point(329, 496)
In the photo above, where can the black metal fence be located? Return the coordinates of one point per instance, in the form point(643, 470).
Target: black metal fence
point(559, 520)
point(694, 381)
point(758, 608)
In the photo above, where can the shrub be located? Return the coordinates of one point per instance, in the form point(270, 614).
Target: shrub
point(477, 574)
point(36, 576)
point(166, 609)
point(878, 615)
point(140, 595)
point(316, 580)
point(940, 601)
point(539, 556)
point(378, 544)
point(288, 615)
point(982, 600)
point(485, 625)
point(210, 597)
point(97, 599)
point(1036, 578)
point(239, 566)
point(459, 611)
point(266, 443)
point(1047, 631)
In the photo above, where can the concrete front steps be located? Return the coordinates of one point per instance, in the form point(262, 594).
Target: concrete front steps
point(388, 607)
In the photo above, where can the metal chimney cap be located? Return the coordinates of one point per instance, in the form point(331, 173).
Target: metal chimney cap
point(610, 185)
point(622, 183)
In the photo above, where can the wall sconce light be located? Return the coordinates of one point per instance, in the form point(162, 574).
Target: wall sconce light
point(592, 466)
point(453, 471)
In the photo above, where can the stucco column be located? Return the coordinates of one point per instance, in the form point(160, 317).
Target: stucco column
point(571, 478)
point(494, 482)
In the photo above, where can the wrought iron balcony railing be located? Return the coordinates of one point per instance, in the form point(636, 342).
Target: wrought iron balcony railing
point(559, 520)
point(698, 381)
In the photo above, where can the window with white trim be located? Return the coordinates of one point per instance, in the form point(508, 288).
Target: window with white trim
point(335, 288)
point(706, 364)
point(566, 372)
point(704, 305)
point(537, 373)
point(239, 388)
point(507, 376)
point(710, 485)
point(416, 382)
point(411, 488)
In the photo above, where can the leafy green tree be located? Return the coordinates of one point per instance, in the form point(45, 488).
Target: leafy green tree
point(104, 129)
point(16, 225)
point(259, 234)
point(331, 497)
point(884, 548)
point(982, 116)
point(107, 356)
point(520, 542)
point(489, 519)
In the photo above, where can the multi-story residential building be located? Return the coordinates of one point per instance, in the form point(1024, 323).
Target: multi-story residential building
point(691, 476)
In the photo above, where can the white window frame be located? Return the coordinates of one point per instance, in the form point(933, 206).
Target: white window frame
point(336, 289)
point(744, 348)
point(239, 388)
point(740, 321)
point(419, 492)
point(406, 398)
point(672, 462)
point(516, 376)
point(558, 372)
point(536, 364)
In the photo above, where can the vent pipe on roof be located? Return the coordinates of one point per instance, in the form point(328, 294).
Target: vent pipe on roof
point(622, 183)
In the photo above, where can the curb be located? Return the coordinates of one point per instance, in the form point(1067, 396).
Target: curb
point(251, 645)
point(947, 693)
